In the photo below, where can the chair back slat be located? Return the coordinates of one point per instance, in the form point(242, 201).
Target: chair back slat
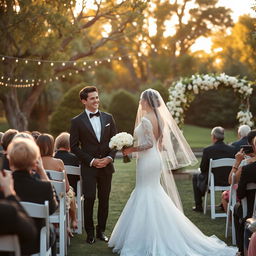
point(74, 170)
point(222, 162)
point(55, 175)
point(10, 243)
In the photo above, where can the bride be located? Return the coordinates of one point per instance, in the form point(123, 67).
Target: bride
point(152, 222)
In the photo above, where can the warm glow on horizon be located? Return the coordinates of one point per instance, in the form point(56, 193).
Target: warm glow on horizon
point(238, 7)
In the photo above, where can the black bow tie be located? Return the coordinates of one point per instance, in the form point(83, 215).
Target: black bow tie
point(94, 114)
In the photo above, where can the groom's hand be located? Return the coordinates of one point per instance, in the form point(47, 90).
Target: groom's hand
point(101, 163)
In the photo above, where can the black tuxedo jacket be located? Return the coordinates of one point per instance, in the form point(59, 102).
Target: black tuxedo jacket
point(30, 189)
point(14, 220)
point(248, 175)
point(237, 144)
point(216, 151)
point(84, 143)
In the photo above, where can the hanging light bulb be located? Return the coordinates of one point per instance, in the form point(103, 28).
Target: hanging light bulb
point(119, 58)
point(52, 64)
point(74, 63)
point(70, 74)
point(57, 78)
point(63, 64)
point(26, 61)
point(17, 60)
point(84, 63)
point(77, 71)
point(3, 58)
point(39, 62)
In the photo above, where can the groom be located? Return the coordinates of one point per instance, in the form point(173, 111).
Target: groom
point(90, 134)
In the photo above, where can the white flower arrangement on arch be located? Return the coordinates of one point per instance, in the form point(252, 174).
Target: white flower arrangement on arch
point(182, 91)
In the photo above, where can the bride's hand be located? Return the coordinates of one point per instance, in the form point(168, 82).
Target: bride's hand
point(127, 151)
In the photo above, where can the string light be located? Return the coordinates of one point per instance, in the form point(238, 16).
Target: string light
point(19, 82)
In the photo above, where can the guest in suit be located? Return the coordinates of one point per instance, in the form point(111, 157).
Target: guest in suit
point(13, 218)
point(90, 134)
point(242, 133)
point(62, 148)
point(216, 151)
point(248, 175)
point(24, 156)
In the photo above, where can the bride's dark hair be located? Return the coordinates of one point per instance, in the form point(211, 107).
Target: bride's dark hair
point(151, 98)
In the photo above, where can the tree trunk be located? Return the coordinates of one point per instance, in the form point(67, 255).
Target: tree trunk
point(18, 115)
point(15, 117)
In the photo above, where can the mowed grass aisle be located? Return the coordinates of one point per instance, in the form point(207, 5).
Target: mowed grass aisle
point(122, 185)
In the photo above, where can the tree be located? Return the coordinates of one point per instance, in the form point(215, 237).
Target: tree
point(162, 56)
point(237, 50)
point(44, 30)
point(123, 107)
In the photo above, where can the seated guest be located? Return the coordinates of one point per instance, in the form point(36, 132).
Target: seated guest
point(24, 156)
point(216, 151)
point(241, 160)
point(46, 146)
point(242, 133)
point(5, 141)
point(63, 152)
point(13, 218)
point(252, 245)
point(248, 175)
point(35, 134)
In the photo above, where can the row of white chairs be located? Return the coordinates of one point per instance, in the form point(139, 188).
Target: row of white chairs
point(60, 216)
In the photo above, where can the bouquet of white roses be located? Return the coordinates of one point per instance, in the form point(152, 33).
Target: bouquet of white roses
point(120, 141)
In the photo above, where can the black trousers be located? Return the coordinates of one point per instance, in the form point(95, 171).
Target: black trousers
point(198, 194)
point(239, 227)
point(100, 183)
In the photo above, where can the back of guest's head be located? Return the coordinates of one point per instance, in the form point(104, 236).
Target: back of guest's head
point(7, 138)
point(22, 153)
point(24, 135)
point(45, 143)
point(35, 134)
point(83, 94)
point(243, 130)
point(62, 141)
point(251, 135)
point(218, 133)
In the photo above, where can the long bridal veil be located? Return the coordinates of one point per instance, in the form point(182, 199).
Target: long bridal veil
point(172, 145)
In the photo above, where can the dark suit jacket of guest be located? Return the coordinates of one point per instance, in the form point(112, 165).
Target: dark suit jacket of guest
point(216, 151)
point(237, 144)
point(69, 158)
point(33, 190)
point(248, 175)
point(84, 143)
point(14, 220)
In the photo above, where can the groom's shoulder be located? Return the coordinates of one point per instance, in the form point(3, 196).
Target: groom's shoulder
point(106, 114)
point(78, 116)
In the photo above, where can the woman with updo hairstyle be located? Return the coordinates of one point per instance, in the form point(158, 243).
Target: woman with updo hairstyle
point(45, 143)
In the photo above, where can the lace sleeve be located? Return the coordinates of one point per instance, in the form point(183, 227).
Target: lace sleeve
point(147, 141)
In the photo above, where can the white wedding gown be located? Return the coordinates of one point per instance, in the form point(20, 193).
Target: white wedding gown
point(150, 224)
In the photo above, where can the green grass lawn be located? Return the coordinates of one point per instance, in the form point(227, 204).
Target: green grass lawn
point(199, 137)
point(122, 185)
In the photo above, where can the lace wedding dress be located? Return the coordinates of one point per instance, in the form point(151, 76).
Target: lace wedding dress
point(151, 224)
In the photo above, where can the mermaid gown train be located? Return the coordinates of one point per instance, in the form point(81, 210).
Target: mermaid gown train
point(150, 224)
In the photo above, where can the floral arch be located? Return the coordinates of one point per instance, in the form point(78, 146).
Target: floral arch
point(181, 94)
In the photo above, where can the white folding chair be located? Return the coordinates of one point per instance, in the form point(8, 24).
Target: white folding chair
point(40, 211)
point(55, 175)
point(230, 210)
point(76, 170)
point(211, 186)
point(60, 216)
point(10, 243)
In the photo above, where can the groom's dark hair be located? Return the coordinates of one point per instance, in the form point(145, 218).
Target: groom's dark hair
point(83, 94)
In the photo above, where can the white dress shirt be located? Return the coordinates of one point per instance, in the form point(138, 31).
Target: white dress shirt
point(95, 122)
